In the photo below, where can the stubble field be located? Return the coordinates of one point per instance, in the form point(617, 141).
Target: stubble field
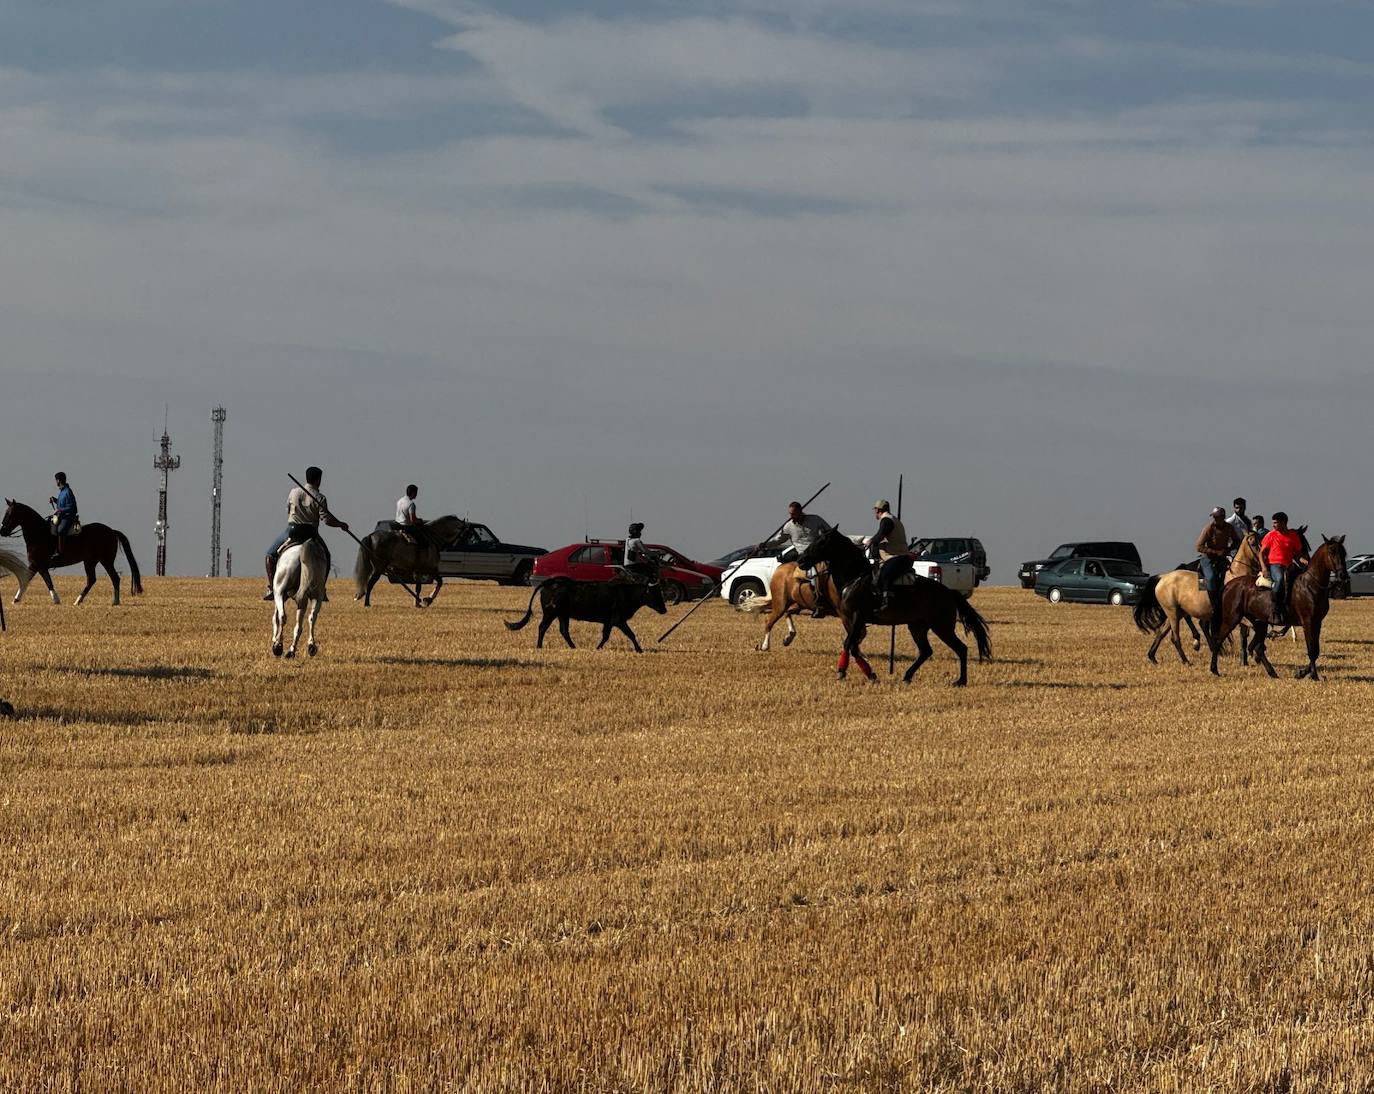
point(437, 858)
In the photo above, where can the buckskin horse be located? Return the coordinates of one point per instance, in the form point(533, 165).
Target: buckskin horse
point(1170, 600)
point(789, 592)
point(97, 543)
point(922, 607)
point(1308, 605)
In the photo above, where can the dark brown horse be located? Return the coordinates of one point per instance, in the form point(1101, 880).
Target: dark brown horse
point(97, 544)
point(923, 607)
point(1307, 605)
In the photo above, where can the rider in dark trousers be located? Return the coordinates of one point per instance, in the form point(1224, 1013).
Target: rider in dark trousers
point(888, 545)
point(638, 559)
point(1215, 544)
point(1280, 550)
point(304, 511)
point(65, 505)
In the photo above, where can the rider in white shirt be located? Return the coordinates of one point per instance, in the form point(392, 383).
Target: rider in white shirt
point(405, 506)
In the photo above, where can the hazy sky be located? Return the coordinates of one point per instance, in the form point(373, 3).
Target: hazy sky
point(1079, 270)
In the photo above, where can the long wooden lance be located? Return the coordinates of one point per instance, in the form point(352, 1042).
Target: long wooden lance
point(892, 635)
point(716, 586)
point(325, 509)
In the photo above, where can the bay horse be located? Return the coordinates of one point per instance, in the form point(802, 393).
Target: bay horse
point(97, 543)
point(301, 575)
point(1170, 600)
point(789, 592)
point(923, 607)
point(390, 553)
point(1308, 605)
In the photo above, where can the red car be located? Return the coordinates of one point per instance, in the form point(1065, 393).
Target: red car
point(600, 559)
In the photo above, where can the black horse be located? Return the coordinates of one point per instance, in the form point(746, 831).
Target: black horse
point(923, 607)
point(98, 544)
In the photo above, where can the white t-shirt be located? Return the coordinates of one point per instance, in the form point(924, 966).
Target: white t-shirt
point(405, 510)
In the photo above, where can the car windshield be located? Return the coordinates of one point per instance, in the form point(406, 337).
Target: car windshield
point(480, 533)
point(1062, 551)
point(1120, 569)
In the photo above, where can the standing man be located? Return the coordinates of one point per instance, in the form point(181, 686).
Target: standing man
point(1280, 550)
point(888, 545)
point(65, 504)
point(1215, 544)
point(304, 511)
point(1238, 520)
point(802, 530)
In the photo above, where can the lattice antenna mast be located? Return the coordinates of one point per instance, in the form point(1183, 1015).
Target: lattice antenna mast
point(217, 490)
point(165, 462)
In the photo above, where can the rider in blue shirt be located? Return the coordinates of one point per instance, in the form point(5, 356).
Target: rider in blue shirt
point(65, 504)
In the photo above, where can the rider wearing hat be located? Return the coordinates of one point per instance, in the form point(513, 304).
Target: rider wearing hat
point(638, 558)
point(1215, 544)
point(888, 546)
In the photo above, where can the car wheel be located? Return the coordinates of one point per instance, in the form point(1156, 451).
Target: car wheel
point(673, 592)
point(745, 588)
point(1055, 596)
point(1116, 599)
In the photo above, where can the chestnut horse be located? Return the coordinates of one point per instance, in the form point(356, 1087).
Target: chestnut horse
point(1308, 604)
point(923, 607)
point(1168, 601)
point(788, 593)
point(97, 543)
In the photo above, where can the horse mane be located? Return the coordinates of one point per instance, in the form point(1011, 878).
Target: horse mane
point(445, 528)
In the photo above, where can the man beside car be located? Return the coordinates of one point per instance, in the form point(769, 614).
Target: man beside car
point(1215, 544)
point(802, 530)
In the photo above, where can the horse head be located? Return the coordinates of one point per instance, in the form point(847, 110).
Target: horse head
point(1333, 549)
point(11, 518)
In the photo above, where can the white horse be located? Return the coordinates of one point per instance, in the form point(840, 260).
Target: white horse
point(19, 568)
point(301, 574)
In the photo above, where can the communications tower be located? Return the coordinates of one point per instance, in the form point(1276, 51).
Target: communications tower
point(216, 491)
point(165, 462)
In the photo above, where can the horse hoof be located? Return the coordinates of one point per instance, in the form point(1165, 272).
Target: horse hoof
point(290, 654)
point(6, 711)
point(839, 676)
point(428, 601)
point(312, 649)
point(276, 650)
point(788, 640)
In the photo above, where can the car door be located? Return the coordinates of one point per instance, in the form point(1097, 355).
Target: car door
point(1362, 578)
point(1093, 586)
point(590, 563)
point(1069, 579)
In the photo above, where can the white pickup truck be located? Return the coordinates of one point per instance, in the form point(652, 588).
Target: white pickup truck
point(750, 576)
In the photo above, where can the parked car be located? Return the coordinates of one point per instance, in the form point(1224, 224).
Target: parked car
point(954, 549)
point(477, 553)
point(1118, 549)
point(600, 560)
point(1091, 581)
point(1361, 571)
point(751, 576)
point(739, 554)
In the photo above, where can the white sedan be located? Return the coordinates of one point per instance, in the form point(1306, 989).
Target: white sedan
point(1361, 570)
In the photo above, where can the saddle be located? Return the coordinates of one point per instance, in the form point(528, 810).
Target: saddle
point(74, 530)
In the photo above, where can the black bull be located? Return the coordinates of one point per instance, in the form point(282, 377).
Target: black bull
point(611, 604)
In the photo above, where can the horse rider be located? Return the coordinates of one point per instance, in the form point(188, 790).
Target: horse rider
point(1281, 550)
point(408, 521)
point(65, 516)
point(1259, 528)
point(1215, 544)
point(304, 511)
point(888, 546)
point(1238, 518)
point(639, 560)
point(802, 530)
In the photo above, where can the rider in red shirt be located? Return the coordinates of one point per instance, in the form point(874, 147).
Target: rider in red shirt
point(1280, 549)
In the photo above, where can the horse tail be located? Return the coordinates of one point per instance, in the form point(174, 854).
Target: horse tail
point(135, 580)
point(362, 569)
point(975, 625)
point(1149, 613)
point(754, 604)
point(529, 611)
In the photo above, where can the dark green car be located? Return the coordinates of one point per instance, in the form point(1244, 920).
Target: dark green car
point(1091, 581)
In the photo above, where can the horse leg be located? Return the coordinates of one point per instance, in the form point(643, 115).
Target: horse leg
point(1192, 629)
point(1257, 648)
point(1244, 644)
point(311, 647)
point(1170, 630)
point(278, 622)
point(1312, 631)
point(923, 650)
point(624, 625)
point(114, 578)
point(89, 565)
point(438, 584)
point(371, 584)
point(946, 634)
point(296, 631)
point(47, 580)
point(775, 613)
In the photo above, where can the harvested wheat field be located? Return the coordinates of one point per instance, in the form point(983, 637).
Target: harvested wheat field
point(435, 857)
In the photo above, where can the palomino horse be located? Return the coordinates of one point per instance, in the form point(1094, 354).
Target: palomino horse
point(1168, 601)
point(387, 553)
point(97, 543)
point(923, 607)
point(1308, 604)
point(789, 592)
point(301, 574)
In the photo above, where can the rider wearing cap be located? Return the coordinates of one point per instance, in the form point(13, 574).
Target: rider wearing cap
point(66, 516)
point(889, 546)
point(638, 558)
point(1215, 544)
